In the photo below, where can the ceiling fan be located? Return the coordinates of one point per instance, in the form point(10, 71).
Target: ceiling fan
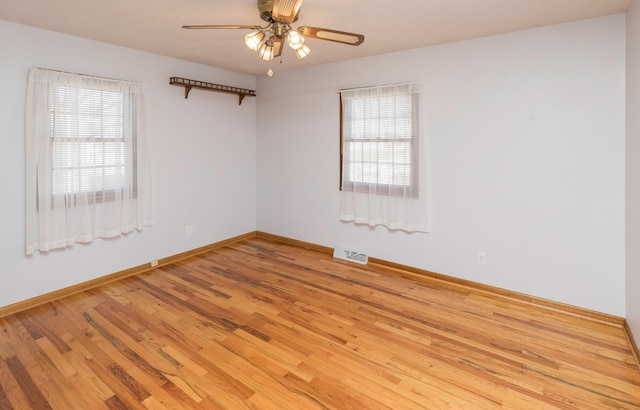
point(279, 14)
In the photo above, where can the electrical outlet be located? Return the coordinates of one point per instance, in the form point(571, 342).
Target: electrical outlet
point(481, 258)
point(154, 263)
point(189, 230)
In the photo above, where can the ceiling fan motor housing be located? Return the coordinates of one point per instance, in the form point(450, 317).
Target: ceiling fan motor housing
point(265, 7)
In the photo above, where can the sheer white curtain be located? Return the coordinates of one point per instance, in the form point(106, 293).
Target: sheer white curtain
point(87, 169)
point(383, 158)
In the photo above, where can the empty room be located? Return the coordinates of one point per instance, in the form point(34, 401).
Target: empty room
point(288, 204)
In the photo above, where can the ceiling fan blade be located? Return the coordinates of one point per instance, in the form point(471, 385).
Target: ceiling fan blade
point(286, 10)
point(332, 35)
point(209, 26)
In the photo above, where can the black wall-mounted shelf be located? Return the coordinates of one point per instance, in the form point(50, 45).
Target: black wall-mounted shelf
point(189, 84)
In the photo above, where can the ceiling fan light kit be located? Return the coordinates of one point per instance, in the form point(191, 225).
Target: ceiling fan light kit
point(268, 40)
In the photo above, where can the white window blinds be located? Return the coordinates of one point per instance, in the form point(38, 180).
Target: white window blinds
point(88, 144)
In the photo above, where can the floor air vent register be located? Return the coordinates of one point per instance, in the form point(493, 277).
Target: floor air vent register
point(351, 255)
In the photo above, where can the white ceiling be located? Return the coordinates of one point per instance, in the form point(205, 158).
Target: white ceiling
point(155, 25)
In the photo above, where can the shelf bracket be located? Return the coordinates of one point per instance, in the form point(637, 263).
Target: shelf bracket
point(202, 85)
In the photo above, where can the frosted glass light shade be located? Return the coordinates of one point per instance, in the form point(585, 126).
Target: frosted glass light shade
point(295, 39)
point(253, 39)
point(266, 51)
point(302, 51)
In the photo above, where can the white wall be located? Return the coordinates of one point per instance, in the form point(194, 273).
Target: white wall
point(203, 160)
point(633, 170)
point(526, 139)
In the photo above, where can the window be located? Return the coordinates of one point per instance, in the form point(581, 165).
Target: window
point(87, 173)
point(380, 140)
point(87, 137)
point(380, 176)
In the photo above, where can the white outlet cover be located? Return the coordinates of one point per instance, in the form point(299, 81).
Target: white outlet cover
point(481, 258)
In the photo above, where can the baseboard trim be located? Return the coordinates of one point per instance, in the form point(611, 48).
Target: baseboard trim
point(94, 283)
point(492, 291)
point(422, 275)
point(294, 242)
point(632, 343)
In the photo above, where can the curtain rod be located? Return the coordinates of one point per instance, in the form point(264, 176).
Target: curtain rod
point(84, 75)
point(376, 86)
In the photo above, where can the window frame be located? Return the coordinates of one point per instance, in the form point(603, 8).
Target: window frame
point(385, 189)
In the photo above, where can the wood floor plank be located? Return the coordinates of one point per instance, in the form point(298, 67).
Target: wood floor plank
point(27, 384)
point(4, 400)
point(115, 403)
point(260, 324)
point(14, 394)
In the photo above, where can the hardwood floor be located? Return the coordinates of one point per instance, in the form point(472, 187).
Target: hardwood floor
point(271, 326)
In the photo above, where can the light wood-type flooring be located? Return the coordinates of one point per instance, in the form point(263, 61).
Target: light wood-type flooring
point(265, 325)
